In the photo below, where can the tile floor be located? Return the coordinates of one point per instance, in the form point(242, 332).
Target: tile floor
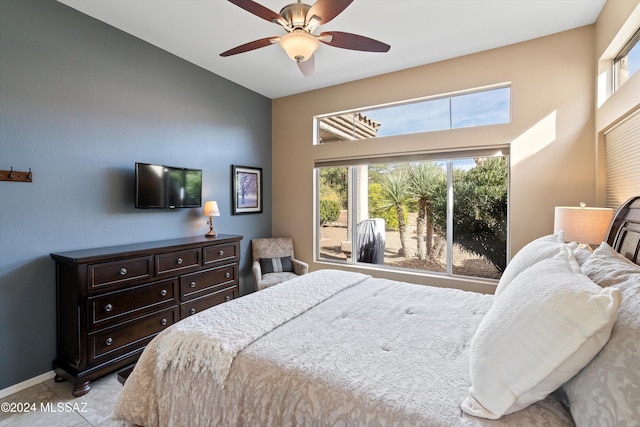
point(55, 406)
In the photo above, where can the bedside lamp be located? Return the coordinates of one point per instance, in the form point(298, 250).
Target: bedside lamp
point(582, 224)
point(211, 209)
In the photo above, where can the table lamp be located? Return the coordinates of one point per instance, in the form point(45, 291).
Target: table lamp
point(582, 224)
point(211, 209)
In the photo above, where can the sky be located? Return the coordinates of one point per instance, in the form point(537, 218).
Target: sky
point(473, 109)
point(633, 59)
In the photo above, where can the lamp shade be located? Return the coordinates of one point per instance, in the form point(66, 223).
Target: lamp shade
point(299, 45)
point(210, 209)
point(581, 224)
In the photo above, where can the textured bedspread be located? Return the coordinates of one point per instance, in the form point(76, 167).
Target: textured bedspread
point(378, 353)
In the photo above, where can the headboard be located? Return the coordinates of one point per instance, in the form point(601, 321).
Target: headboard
point(624, 231)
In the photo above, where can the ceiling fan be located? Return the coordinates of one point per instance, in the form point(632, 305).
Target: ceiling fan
point(300, 21)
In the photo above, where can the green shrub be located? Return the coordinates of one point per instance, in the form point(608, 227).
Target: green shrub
point(380, 208)
point(390, 217)
point(329, 211)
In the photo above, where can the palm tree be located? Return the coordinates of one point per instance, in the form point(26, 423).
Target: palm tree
point(397, 194)
point(423, 179)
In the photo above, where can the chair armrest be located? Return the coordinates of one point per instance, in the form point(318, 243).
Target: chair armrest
point(257, 271)
point(299, 267)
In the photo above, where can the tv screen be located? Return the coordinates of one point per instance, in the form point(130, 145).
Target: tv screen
point(167, 187)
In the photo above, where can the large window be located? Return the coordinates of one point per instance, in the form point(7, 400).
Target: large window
point(479, 107)
point(444, 215)
point(627, 63)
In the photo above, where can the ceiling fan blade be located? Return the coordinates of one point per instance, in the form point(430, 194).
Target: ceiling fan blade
point(326, 10)
point(256, 44)
point(257, 9)
point(307, 67)
point(353, 42)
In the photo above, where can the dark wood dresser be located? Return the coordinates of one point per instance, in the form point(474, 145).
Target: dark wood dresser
point(112, 301)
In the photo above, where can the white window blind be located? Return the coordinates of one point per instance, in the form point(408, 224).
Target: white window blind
point(622, 147)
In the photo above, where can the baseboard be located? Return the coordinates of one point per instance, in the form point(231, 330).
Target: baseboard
point(26, 384)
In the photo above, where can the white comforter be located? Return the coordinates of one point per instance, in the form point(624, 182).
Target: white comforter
point(378, 352)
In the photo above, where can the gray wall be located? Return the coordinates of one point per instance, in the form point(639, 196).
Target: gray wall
point(80, 103)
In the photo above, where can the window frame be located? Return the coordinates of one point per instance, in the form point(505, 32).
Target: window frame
point(633, 42)
point(317, 120)
point(445, 156)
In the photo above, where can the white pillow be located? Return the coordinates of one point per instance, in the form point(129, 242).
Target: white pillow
point(582, 254)
point(535, 251)
point(607, 267)
point(607, 390)
point(547, 325)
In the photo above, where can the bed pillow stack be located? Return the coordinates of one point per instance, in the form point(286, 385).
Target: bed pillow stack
point(607, 391)
point(546, 324)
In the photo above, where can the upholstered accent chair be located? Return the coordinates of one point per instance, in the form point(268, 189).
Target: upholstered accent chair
point(274, 261)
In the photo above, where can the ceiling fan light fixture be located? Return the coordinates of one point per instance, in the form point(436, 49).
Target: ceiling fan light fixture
point(299, 45)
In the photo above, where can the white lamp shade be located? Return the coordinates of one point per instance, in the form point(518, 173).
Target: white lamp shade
point(299, 45)
point(581, 224)
point(211, 209)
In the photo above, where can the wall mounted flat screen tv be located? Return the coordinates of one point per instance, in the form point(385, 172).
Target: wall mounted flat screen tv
point(167, 187)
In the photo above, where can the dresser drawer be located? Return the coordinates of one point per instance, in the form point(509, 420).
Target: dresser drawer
point(173, 262)
point(195, 284)
point(218, 253)
point(200, 304)
point(132, 302)
point(129, 336)
point(119, 272)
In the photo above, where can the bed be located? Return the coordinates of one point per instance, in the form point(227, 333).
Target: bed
point(558, 345)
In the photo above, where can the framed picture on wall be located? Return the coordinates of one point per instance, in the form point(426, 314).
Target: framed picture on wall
point(246, 189)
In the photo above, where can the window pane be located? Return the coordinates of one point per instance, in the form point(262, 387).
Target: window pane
point(489, 107)
point(403, 195)
point(395, 226)
point(334, 241)
point(633, 60)
point(485, 107)
point(627, 63)
point(425, 116)
point(480, 216)
point(396, 215)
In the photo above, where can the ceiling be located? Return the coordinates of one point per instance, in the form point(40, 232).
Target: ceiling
point(419, 32)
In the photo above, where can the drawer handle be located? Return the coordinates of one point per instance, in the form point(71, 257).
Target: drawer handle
point(227, 274)
point(192, 284)
point(227, 298)
point(192, 311)
point(163, 293)
point(221, 253)
point(108, 307)
point(179, 261)
point(123, 271)
point(108, 341)
point(163, 322)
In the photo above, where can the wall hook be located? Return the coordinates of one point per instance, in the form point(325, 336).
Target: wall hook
point(16, 176)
